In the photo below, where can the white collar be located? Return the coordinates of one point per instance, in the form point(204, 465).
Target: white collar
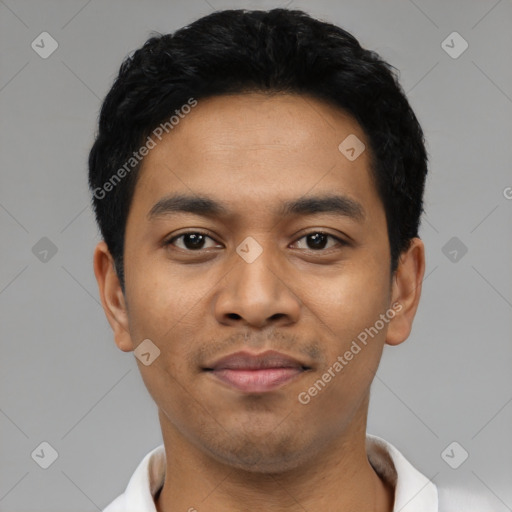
point(413, 491)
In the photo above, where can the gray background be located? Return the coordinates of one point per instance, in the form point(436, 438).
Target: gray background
point(63, 380)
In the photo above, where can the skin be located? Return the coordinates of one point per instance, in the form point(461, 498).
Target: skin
point(233, 451)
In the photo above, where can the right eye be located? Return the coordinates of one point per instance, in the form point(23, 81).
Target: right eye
point(191, 241)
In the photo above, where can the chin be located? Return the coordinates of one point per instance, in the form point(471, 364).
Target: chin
point(262, 454)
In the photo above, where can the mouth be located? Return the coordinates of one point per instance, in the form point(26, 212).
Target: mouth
point(257, 373)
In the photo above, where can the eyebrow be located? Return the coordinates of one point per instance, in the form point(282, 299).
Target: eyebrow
point(310, 205)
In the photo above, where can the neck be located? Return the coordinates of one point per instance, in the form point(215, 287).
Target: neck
point(338, 478)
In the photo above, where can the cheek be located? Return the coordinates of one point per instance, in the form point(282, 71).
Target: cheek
point(165, 309)
point(348, 310)
point(159, 300)
point(350, 301)
point(168, 389)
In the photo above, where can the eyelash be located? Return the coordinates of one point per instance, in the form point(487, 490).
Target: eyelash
point(317, 232)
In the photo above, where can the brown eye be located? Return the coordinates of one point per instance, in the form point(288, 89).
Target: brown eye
point(191, 241)
point(317, 240)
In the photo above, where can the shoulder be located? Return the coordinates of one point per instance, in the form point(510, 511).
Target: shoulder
point(143, 485)
point(456, 499)
point(118, 505)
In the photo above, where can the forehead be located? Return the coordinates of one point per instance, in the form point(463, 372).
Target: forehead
point(249, 150)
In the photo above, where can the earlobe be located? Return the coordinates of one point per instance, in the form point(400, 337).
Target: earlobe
point(406, 291)
point(112, 297)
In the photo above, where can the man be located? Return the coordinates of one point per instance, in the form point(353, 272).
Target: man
point(258, 179)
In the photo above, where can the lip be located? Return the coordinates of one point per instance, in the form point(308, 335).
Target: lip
point(257, 373)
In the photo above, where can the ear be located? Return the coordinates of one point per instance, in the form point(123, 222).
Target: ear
point(112, 297)
point(406, 291)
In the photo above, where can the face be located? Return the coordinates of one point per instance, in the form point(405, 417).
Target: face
point(289, 252)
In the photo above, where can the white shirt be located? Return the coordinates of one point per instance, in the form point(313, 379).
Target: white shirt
point(414, 492)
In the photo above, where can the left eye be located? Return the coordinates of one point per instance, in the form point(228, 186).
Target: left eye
point(318, 240)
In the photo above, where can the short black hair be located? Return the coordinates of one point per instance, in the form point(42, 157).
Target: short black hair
point(275, 51)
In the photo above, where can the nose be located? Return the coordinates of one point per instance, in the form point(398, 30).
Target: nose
point(258, 294)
